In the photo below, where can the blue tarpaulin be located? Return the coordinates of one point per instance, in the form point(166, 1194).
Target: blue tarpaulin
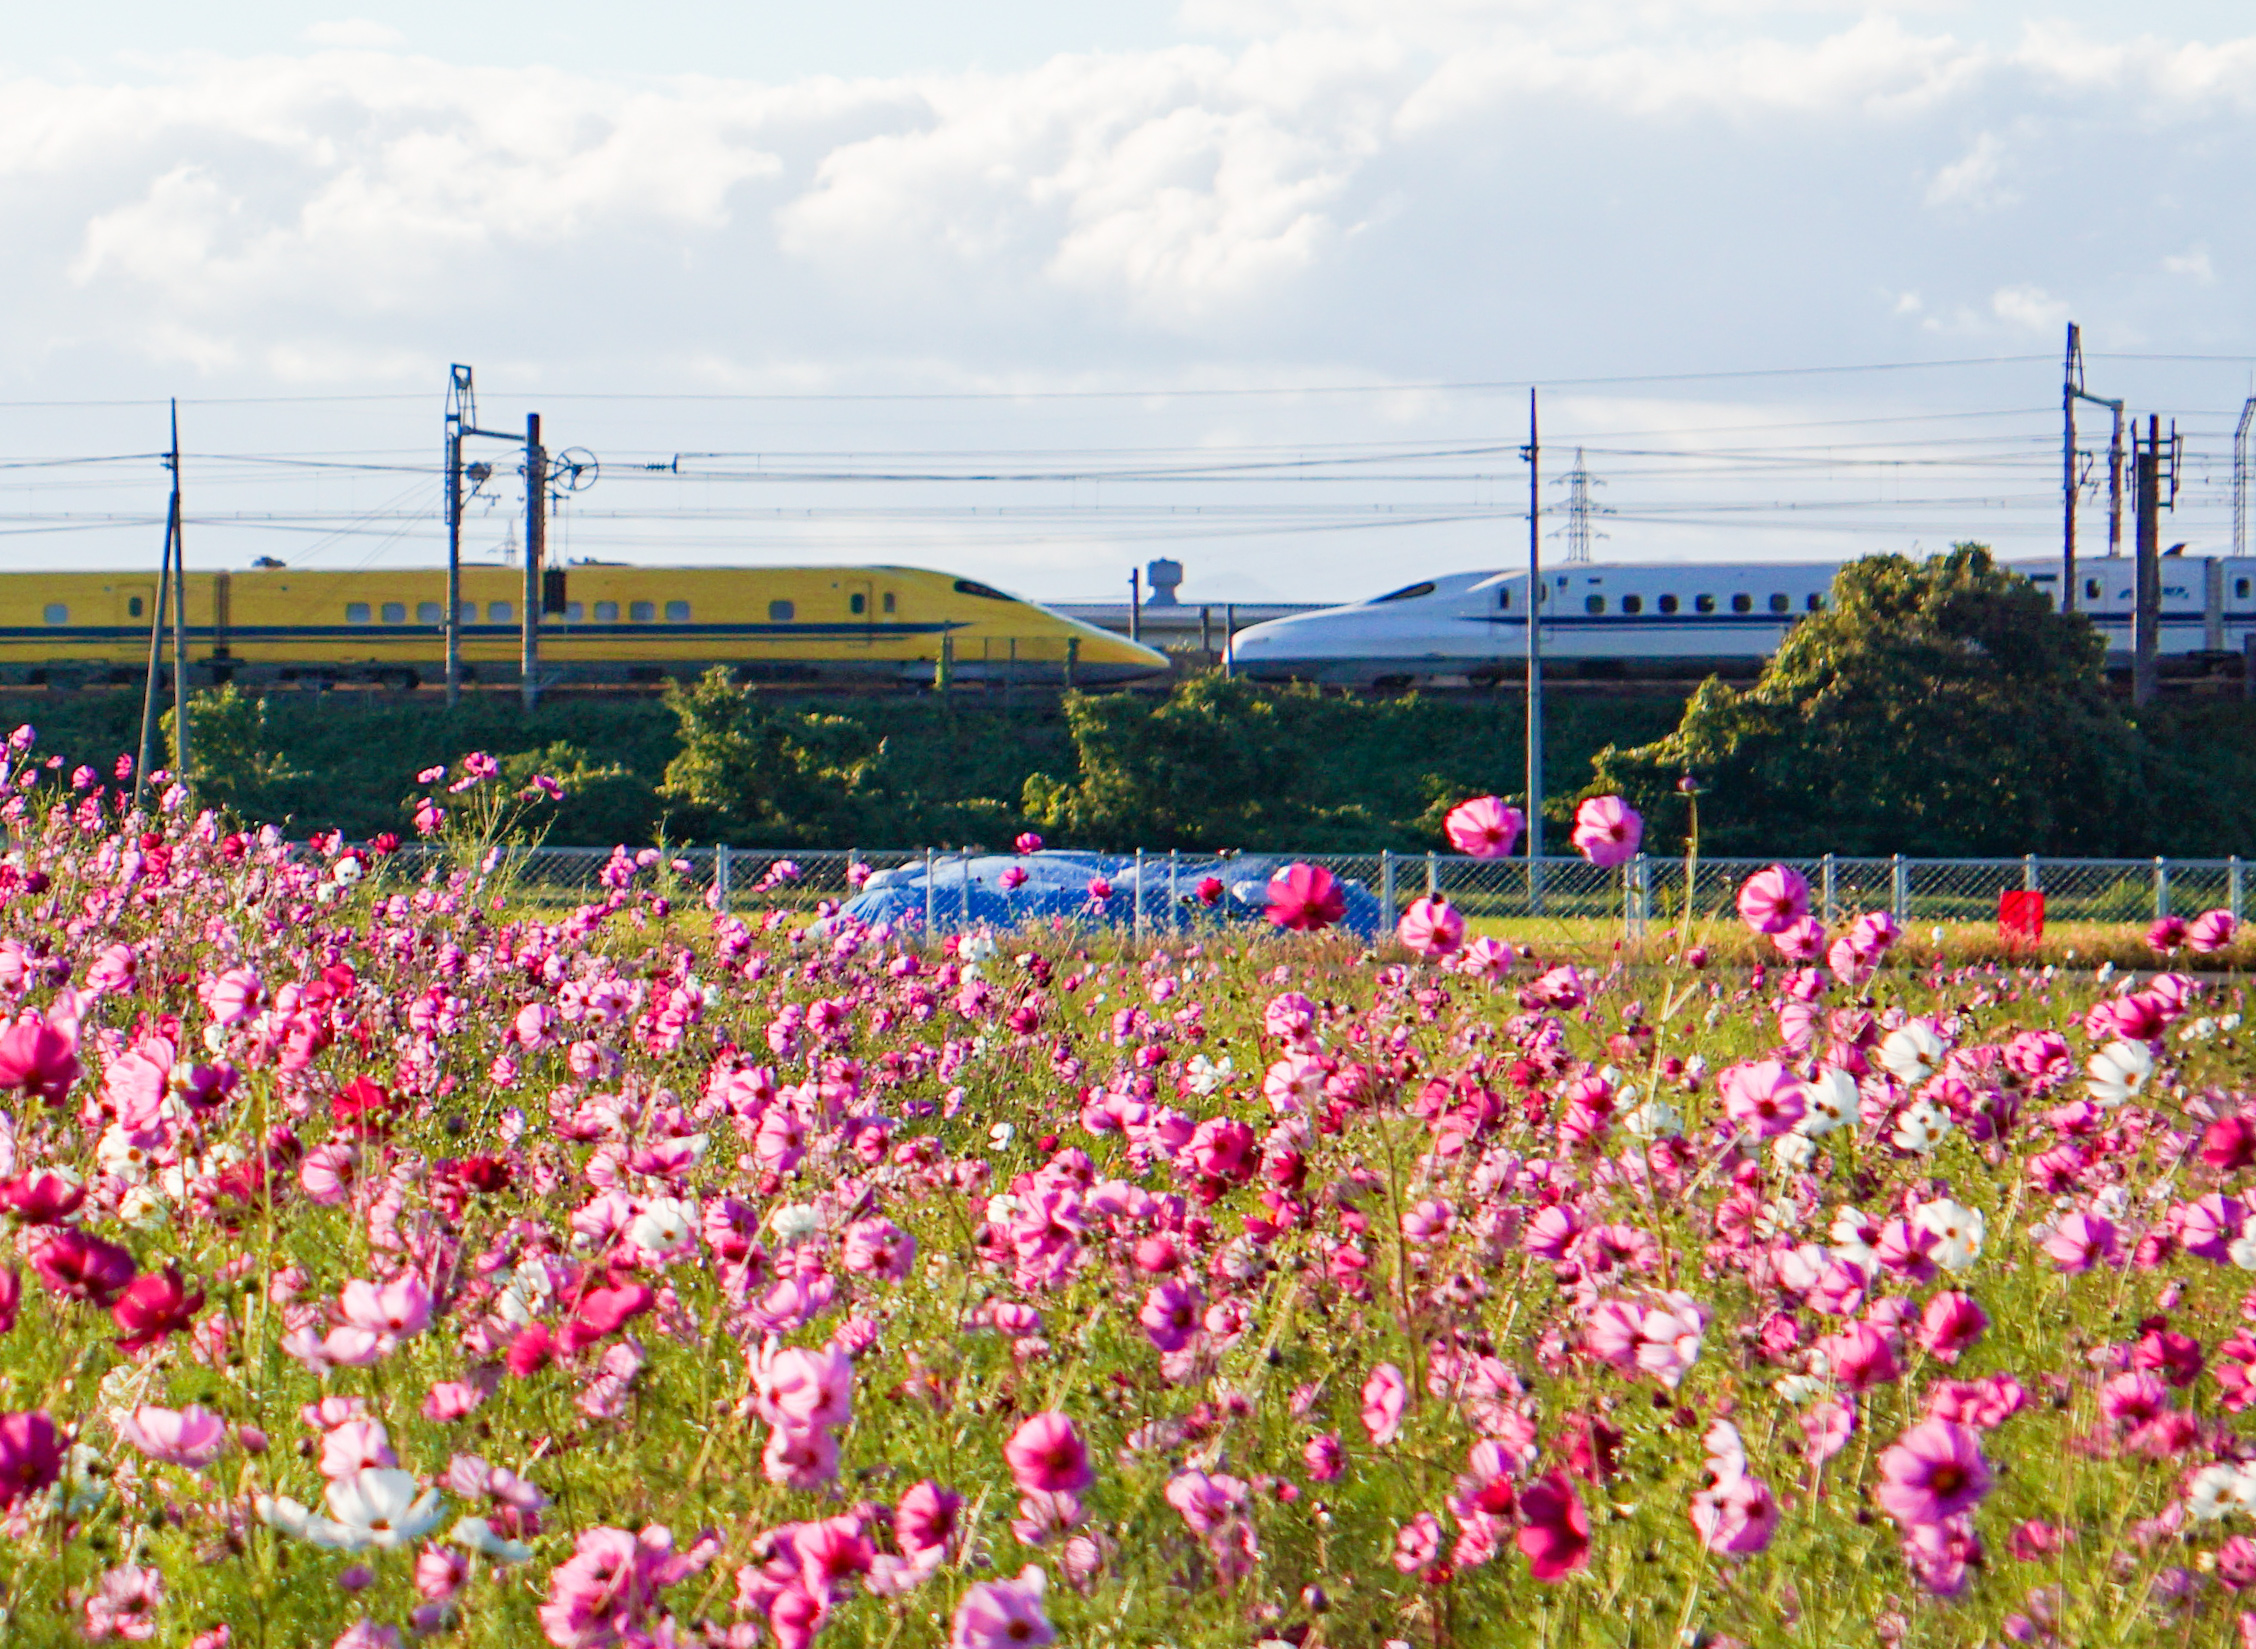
point(970, 893)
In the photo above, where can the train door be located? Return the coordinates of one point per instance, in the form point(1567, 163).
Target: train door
point(861, 611)
point(136, 611)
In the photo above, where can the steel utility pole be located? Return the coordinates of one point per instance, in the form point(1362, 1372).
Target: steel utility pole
point(179, 618)
point(461, 414)
point(2147, 584)
point(147, 753)
point(1533, 453)
point(2072, 390)
point(536, 545)
point(2240, 476)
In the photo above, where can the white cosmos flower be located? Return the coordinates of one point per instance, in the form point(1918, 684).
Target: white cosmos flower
point(1958, 1230)
point(1206, 1075)
point(527, 1294)
point(2118, 1071)
point(1848, 1241)
point(794, 1222)
point(1655, 1119)
point(664, 1224)
point(1799, 1388)
point(295, 1520)
point(1921, 1127)
point(1792, 1152)
point(2243, 1248)
point(478, 1535)
point(382, 1508)
point(142, 1209)
point(2218, 1491)
point(1912, 1052)
point(1829, 1099)
point(975, 947)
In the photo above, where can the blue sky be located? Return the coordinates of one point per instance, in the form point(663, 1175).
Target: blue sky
point(1135, 258)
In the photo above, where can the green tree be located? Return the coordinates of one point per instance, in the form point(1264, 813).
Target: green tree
point(750, 771)
point(602, 802)
point(1938, 706)
point(233, 762)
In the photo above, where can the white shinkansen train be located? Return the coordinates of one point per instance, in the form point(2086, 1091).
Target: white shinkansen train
point(1681, 617)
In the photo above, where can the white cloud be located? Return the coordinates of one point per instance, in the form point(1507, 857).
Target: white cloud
point(2031, 308)
point(352, 34)
point(1972, 179)
point(2193, 264)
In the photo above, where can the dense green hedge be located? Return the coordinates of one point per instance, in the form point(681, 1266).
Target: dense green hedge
point(1215, 764)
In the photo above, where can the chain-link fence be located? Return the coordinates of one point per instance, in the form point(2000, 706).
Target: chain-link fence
point(1553, 897)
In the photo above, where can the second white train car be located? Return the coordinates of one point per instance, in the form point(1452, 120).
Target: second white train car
point(1676, 617)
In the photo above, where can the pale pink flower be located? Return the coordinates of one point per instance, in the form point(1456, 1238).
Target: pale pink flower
point(1386, 1395)
point(1770, 900)
point(399, 1308)
point(1607, 831)
point(1484, 828)
point(192, 1436)
point(1003, 1614)
point(1046, 1456)
point(1932, 1472)
point(1431, 927)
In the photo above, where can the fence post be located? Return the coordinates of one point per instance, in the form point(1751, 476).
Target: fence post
point(1136, 915)
point(1386, 881)
point(1825, 880)
point(931, 897)
point(2028, 873)
point(721, 878)
point(2161, 887)
point(1174, 893)
point(1433, 874)
point(1899, 890)
point(2232, 887)
point(1638, 891)
point(963, 887)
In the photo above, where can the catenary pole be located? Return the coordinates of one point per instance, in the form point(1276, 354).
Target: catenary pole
point(2146, 460)
point(2068, 388)
point(179, 617)
point(461, 412)
point(147, 752)
point(1535, 656)
point(536, 543)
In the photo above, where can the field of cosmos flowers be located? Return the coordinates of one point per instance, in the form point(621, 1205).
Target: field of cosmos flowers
point(394, 1260)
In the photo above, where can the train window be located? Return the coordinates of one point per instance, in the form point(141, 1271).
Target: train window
point(500, 612)
point(56, 613)
point(1409, 592)
point(1503, 601)
point(889, 599)
point(468, 613)
point(429, 612)
point(1780, 603)
point(574, 611)
point(395, 612)
point(965, 586)
point(1816, 602)
point(677, 612)
point(782, 612)
point(607, 612)
point(1593, 603)
point(1668, 604)
point(1703, 603)
point(133, 606)
point(641, 612)
point(1742, 603)
point(857, 604)
point(356, 612)
point(2240, 589)
point(1633, 604)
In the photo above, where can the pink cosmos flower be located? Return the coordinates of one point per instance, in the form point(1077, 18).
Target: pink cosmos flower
point(39, 1057)
point(1100, 889)
point(1770, 900)
point(80, 1267)
point(1046, 1456)
point(1556, 1534)
point(1013, 876)
point(1933, 1471)
point(1431, 927)
point(1951, 1324)
point(1386, 1395)
point(1028, 842)
point(800, 1459)
point(1003, 1614)
point(31, 1455)
point(1763, 1095)
point(193, 1437)
point(1861, 1357)
point(2082, 1241)
point(1171, 1313)
point(1324, 1457)
point(1306, 899)
point(924, 1519)
point(1801, 940)
point(1484, 828)
point(1735, 1513)
point(124, 1604)
point(800, 1388)
point(399, 1308)
point(153, 1306)
point(1607, 831)
point(2166, 935)
point(2210, 932)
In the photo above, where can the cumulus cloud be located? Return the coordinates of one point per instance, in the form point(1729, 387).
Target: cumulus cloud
point(1972, 180)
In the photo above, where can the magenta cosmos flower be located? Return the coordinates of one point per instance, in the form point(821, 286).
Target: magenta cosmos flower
point(1046, 1456)
point(1771, 899)
point(1484, 828)
point(1306, 899)
point(2210, 932)
point(1933, 1471)
point(1431, 927)
point(1003, 1614)
point(1556, 1535)
point(1607, 831)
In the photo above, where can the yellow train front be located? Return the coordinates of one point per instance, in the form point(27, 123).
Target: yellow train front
point(599, 623)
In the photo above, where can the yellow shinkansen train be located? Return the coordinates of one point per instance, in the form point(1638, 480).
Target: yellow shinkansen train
point(599, 623)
